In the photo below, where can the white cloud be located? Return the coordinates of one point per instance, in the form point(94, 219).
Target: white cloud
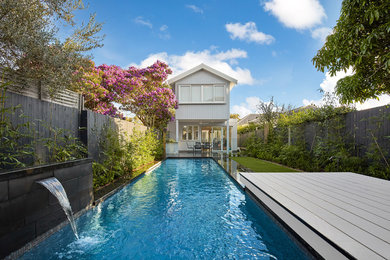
point(321, 33)
point(218, 60)
point(164, 27)
point(140, 20)
point(329, 84)
point(195, 8)
point(248, 107)
point(383, 100)
point(248, 32)
point(164, 34)
point(297, 14)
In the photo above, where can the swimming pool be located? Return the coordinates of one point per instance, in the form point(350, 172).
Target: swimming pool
point(185, 209)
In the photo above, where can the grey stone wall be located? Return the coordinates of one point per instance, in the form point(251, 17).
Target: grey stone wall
point(28, 210)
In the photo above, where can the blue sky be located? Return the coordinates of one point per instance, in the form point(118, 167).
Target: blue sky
point(267, 45)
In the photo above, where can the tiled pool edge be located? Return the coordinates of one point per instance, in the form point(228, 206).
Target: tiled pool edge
point(295, 225)
point(112, 192)
point(47, 234)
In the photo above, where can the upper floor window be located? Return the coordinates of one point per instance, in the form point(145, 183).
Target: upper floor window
point(202, 93)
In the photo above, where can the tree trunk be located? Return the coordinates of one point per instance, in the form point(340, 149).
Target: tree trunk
point(164, 134)
point(266, 132)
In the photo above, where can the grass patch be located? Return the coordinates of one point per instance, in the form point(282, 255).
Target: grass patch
point(257, 165)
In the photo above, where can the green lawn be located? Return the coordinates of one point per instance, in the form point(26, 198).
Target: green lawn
point(257, 165)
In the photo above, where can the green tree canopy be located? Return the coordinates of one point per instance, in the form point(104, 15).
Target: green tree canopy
point(30, 47)
point(361, 40)
point(235, 116)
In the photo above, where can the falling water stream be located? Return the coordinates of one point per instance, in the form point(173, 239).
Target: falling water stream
point(56, 188)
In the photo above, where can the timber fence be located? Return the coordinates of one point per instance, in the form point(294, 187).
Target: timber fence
point(47, 115)
point(359, 129)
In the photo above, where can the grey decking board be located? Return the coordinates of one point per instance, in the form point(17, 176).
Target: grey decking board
point(356, 190)
point(352, 190)
point(352, 208)
point(361, 199)
point(380, 187)
point(365, 238)
point(358, 221)
point(352, 246)
point(355, 201)
point(315, 241)
point(378, 192)
point(360, 229)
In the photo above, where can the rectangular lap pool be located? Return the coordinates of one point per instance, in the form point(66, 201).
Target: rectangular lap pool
point(185, 209)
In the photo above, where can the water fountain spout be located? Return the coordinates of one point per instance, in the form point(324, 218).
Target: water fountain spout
point(56, 188)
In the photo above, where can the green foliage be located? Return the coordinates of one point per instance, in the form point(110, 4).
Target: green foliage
point(16, 140)
point(122, 154)
point(19, 142)
point(31, 42)
point(329, 150)
point(62, 146)
point(235, 116)
point(360, 40)
point(241, 129)
point(257, 165)
point(144, 147)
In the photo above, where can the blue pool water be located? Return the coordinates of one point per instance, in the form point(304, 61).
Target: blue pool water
point(185, 209)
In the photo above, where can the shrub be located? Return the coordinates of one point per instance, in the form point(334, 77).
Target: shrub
point(122, 154)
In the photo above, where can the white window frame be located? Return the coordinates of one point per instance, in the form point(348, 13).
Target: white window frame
point(201, 93)
point(193, 132)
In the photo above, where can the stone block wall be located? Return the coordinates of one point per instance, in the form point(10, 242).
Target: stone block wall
point(27, 209)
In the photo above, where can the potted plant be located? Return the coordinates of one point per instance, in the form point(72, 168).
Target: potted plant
point(172, 147)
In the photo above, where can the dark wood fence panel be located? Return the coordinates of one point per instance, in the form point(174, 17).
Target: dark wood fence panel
point(42, 116)
point(364, 130)
point(86, 125)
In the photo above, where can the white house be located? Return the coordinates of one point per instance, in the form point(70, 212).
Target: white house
point(204, 109)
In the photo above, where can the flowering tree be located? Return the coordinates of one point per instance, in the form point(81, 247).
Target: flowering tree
point(155, 109)
point(140, 91)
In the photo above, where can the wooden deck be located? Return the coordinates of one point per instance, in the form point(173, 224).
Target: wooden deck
point(339, 215)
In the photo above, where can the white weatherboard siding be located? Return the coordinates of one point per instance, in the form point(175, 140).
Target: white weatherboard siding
point(203, 110)
point(204, 103)
point(218, 112)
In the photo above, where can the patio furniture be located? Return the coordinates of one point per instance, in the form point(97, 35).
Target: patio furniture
point(197, 146)
point(207, 146)
point(191, 146)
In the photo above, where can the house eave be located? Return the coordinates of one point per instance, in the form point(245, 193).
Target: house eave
point(203, 66)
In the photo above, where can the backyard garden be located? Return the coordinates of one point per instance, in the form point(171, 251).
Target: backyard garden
point(54, 66)
point(320, 139)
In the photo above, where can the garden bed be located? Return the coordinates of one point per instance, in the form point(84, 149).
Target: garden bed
point(101, 192)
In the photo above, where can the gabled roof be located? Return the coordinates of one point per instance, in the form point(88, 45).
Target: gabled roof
point(248, 118)
point(202, 67)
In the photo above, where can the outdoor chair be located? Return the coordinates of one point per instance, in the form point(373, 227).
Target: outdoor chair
point(206, 146)
point(191, 146)
point(197, 146)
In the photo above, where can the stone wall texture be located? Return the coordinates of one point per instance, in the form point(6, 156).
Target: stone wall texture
point(27, 209)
